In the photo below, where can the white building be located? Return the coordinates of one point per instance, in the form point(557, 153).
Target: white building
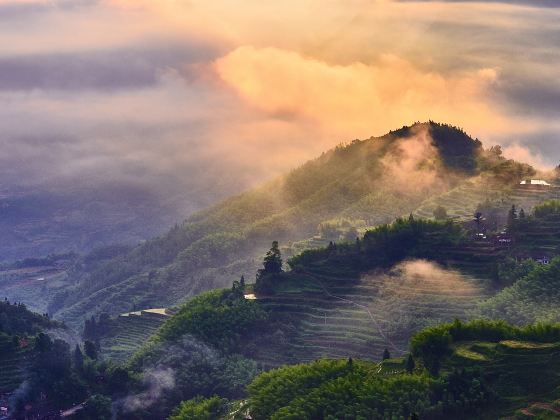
point(540, 182)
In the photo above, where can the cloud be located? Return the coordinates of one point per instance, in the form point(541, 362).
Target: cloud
point(357, 98)
point(126, 68)
point(168, 93)
point(528, 3)
point(525, 154)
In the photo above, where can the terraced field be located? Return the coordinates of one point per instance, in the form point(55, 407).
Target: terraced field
point(521, 372)
point(462, 201)
point(12, 365)
point(338, 318)
point(132, 331)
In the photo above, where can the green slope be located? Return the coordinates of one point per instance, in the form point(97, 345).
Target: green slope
point(487, 371)
point(366, 182)
point(18, 327)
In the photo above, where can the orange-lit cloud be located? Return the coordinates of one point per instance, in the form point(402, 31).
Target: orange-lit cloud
point(172, 86)
point(358, 99)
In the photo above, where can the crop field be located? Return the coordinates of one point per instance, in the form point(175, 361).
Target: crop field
point(31, 285)
point(462, 201)
point(338, 318)
point(523, 373)
point(132, 331)
point(12, 365)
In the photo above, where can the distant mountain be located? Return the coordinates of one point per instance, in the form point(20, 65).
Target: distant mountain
point(37, 221)
point(335, 196)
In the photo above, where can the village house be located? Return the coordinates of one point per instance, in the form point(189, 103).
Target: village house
point(544, 260)
point(538, 258)
point(535, 182)
point(503, 239)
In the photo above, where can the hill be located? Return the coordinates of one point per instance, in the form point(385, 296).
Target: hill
point(364, 183)
point(18, 327)
point(43, 220)
point(359, 300)
point(486, 370)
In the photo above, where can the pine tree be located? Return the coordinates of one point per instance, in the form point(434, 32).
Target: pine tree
point(272, 264)
point(410, 365)
point(386, 354)
point(90, 349)
point(78, 358)
point(512, 217)
point(273, 260)
point(478, 220)
point(90, 329)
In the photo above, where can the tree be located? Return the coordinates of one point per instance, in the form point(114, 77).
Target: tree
point(43, 343)
point(386, 354)
point(478, 220)
point(200, 409)
point(238, 288)
point(90, 328)
point(440, 213)
point(272, 265)
point(78, 358)
point(90, 349)
point(118, 380)
point(410, 365)
point(496, 150)
point(512, 217)
point(272, 262)
point(432, 345)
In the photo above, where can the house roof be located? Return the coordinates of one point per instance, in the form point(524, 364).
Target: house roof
point(534, 182)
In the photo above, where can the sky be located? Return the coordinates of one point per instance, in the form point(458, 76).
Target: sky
point(208, 97)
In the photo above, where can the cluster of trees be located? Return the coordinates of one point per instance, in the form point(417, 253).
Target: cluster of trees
point(387, 245)
point(546, 209)
point(336, 230)
point(66, 378)
point(16, 319)
point(531, 297)
point(53, 373)
point(220, 317)
point(200, 345)
point(332, 389)
point(510, 270)
point(201, 409)
point(94, 329)
point(271, 270)
point(433, 344)
point(506, 171)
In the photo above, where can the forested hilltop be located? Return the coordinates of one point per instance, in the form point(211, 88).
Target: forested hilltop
point(337, 196)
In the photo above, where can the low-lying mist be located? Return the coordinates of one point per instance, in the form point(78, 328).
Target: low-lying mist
point(418, 293)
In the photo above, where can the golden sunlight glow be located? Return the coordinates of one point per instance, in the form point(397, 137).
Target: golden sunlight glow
point(356, 98)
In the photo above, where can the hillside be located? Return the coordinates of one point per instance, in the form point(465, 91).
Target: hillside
point(358, 300)
point(486, 370)
point(18, 327)
point(42, 220)
point(365, 183)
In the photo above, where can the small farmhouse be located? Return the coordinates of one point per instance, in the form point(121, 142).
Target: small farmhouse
point(544, 260)
point(537, 182)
